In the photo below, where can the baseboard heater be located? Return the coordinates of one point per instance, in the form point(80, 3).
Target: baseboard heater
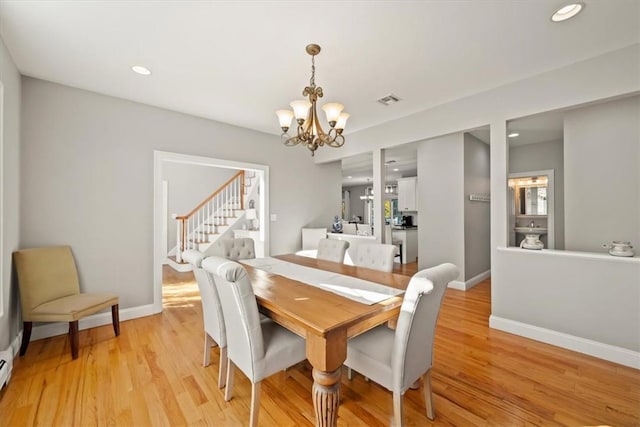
point(5, 368)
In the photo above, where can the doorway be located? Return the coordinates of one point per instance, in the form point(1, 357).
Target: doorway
point(161, 160)
point(531, 207)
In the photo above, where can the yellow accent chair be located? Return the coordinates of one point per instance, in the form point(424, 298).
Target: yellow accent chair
point(50, 292)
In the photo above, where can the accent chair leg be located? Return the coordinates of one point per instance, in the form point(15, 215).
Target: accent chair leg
point(349, 373)
point(428, 399)
point(26, 337)
point(397, 409)
point(229, 388)
point(222, 373)
point(115, 318)
point(255, 404)
point(73, 331)
point(401, 254)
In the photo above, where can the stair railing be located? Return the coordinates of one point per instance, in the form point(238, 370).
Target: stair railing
point(209, 214)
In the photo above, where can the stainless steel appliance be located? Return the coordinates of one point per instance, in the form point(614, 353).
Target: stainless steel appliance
point(407, 221)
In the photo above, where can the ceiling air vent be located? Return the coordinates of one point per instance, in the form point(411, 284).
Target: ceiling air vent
point(389, 99)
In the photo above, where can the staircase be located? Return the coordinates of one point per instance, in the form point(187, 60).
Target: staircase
point(214, 218)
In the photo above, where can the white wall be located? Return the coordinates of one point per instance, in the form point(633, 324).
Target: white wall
point(477, 215)
point(189, 185)
point(441, 202)
point(10, 217)
point(87, 180)
point(602, 174)
point(357, 205)
point(544, 156)
point(451, 228)
point(609, 75)
point(587, 302)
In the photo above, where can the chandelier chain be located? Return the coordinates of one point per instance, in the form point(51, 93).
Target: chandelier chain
point(312, 82)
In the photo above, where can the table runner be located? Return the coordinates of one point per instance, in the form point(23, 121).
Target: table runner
point(359, 290)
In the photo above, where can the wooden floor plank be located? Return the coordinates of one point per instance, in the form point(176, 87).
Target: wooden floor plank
point(152, 375)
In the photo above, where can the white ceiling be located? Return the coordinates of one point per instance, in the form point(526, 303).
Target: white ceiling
point(239, 61)
point(358, 170)
point(360, 167)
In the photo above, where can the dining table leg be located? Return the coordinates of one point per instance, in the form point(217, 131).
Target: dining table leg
point(326, 396)
point(326, 354)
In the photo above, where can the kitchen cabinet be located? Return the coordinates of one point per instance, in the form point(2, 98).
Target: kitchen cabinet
point(407, 194)
point(409, 239)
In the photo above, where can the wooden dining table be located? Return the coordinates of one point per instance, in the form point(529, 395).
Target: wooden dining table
point(325, 320)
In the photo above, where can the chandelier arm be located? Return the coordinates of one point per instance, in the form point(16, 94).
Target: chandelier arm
point(334, 139)
point(293, 141)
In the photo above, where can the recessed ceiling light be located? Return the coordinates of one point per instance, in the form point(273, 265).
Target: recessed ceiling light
point(567, 12)
point(396, 169)
point(513, 134)
point(349, 177)
point(144, 71)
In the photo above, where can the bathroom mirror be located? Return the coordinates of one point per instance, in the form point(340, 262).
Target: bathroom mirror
point(532, 200)
point(530, 195)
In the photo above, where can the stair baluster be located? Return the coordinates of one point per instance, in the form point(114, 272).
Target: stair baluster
point(207, 218)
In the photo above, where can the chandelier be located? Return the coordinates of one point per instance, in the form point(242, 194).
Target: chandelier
point(310, 133)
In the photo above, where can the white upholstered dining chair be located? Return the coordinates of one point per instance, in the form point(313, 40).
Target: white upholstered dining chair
point(349, 228)
point(375, 256)
point(388, 238)
point(214, 328)
point(258, 348)
point(397, 359)
point(364, 230)
point(332, 249)
point(213, 317)
point(234, 249)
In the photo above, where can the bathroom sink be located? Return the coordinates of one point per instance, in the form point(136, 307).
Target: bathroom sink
point(529, 230)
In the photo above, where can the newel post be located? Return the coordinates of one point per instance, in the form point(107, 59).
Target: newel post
point(242, 190)
point(180, 237)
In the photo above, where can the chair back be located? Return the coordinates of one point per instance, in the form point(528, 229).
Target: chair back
point(364, 230)
point(349, 228)
point(233, 249)
point(375, 256)
point(245, 345)
point(45, 274)
point(388, 235)
point(311, 236)
point(332, 249)
point(412, 353)
point(211, 308)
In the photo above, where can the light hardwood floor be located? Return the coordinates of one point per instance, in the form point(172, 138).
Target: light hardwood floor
point(152, 375)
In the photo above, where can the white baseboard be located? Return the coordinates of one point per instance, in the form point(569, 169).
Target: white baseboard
point(465, 286)
point(58, 328)
point(597, 349)
point(457, 284)
point(182, 268)
point(15, 344)
point(477, 279)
